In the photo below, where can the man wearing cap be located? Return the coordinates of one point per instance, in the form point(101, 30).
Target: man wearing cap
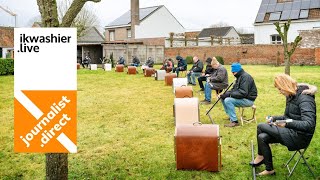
point(182, 65)
point(242, 94)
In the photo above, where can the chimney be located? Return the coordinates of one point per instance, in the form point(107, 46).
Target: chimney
point(134, 16)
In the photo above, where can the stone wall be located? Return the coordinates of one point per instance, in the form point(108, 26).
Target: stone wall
point(310, 38)
point(248, 54)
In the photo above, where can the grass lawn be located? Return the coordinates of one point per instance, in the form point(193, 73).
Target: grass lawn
point(126, 130)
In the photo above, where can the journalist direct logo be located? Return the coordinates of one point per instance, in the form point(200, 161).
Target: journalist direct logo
point(45, 90)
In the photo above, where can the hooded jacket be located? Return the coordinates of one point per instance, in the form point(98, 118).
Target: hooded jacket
point(244, 87)
point(301, 108)
point(181, 63)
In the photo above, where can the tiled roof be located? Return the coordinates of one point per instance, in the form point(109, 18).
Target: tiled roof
point(216, 31)
point(283, 10)
point(125, 19)
point(91, 35)
point(6, 37)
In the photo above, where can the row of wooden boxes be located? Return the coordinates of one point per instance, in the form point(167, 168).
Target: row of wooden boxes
point(197, 146)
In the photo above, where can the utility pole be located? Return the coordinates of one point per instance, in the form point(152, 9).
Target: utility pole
point(11, 13)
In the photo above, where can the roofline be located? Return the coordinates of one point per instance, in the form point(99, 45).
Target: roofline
point(292, 21)
point(98, 32)
point(111, 27)
point(173, 16)
point(230, 27)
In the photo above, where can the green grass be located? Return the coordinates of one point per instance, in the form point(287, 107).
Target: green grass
point(126, 130)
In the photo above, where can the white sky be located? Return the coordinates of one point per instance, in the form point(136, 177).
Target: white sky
point(192, 14)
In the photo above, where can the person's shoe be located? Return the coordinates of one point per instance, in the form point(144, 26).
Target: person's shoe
point(232, 124)
point(267, 173)
point(257, 164)
point(205, 102)
point(201, 89)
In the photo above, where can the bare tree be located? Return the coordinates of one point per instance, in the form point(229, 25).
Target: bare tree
point(85, 18)
point(220, 24)
point(284, 36)
point(57, 163)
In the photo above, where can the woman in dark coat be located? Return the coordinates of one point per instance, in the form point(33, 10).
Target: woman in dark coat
point(297, 132)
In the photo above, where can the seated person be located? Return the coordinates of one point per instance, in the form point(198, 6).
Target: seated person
point(295, 135)
point(86, 61)
point(195, 70)
point(167, 65)
point(209, 70)
point(135, 61)
point(218, 80)
point(182, 65)
point(121, 60)
point(150, 62)
point(243, 94)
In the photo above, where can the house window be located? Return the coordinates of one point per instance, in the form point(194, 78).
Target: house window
point(111, 35)
point(129, 33)
point(275, 39)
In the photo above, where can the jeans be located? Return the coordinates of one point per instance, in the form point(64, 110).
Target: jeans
point(230, 103)
point(200, 79)
point(192, 77)
point(134, 64)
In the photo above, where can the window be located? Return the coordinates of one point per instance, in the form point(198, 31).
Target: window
point(129, 33)
point(111, 35)
point(275, 39)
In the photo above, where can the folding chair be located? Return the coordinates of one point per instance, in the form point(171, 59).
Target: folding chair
point(301, 152)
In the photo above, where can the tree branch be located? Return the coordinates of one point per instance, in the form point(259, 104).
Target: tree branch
point(73, 11)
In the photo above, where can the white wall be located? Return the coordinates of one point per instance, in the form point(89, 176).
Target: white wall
point(262, 32)
point(232, 33)
point(158, 24)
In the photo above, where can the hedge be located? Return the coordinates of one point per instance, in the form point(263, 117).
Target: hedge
point(6, 66)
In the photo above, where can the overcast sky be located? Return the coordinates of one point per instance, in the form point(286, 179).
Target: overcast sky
point(192, 14)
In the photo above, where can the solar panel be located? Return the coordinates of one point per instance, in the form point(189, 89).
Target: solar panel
point(272, 1)
point(305, 5)
point(304, 13)
point(265, 2)
point(275, 16)
point(287, 6)
point(263, 8)
point(314, 4)
point(279, 7)
point(294, 14)
point(285, 15)
point(260, 17)
point(271, 7)
point(296, 5)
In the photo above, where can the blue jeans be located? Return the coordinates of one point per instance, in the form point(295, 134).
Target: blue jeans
point(192, 77)
point(230, 103)
point(207, 92)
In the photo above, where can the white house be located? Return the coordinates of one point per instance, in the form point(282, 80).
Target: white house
point(304, 15)
point(141, 23)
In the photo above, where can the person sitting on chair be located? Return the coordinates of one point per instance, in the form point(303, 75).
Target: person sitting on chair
point(167, 65)
point(182, 65)
point(135, 61)
point(295, 135)
point(86, 61)
point(218, 80)
point(150, 62)
point(242, 94)
point(121, 60)
point(209, 70)
point(195, 70)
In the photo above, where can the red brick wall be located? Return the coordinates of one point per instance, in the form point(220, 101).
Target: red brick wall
point(317, 56)
point(247, 54)
point(6, 37)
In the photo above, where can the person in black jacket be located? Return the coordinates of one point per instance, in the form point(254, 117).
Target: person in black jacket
point(242, 94)
point(182, 65)
point(135, 61)
point(295, 135)
point(209, 70)
point(195, 71)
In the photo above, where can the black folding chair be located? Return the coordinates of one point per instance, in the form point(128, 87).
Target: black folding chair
point(301, 152)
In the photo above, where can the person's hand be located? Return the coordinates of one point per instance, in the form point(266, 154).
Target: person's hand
point(225, 95)
point(207, 75)
point(281, 125)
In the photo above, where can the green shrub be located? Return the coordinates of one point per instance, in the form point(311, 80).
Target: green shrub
point(220, 59)
point(189, 59)
point(6, 66)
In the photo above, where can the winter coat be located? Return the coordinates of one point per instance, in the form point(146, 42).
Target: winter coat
point(244, 87)
point(149, 62)
point(121, 61)
point(301, 108)
point(182, 63)
point(197, 67)
point(135, 60)
point(209, 69)
point(219, 78)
